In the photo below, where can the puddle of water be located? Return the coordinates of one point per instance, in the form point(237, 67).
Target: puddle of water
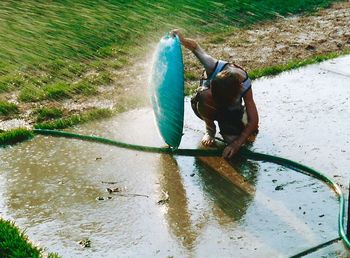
point(180, 206)
point(303, 117)
point(340, 66)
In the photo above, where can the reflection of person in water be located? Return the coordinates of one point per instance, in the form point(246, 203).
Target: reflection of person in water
point(220, 99)
point(230, 186)
point(230, 201)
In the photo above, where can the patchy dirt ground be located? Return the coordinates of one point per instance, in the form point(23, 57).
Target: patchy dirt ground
point(277, 42)
point(293, 38)
point(265, 44)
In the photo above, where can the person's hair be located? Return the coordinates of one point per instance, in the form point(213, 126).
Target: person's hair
point(225, 88)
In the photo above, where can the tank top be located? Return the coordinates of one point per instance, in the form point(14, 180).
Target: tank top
point(229, 118)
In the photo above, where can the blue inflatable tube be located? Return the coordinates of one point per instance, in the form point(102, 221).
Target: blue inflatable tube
point(167, 90)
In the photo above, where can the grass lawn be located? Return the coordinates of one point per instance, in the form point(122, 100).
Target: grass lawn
point(45, 43)
point(14, 243)
point(37, 32)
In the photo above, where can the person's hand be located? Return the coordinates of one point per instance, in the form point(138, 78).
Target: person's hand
point(187, 43)
point(208, 141)
point(231, 150)
point(177, 32)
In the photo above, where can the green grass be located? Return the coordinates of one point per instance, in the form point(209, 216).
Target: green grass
point(57, 91)
point(14, 243)
point(43, 114)
point(189, 75)
point(19, 135)
point(31, 93)
point(84, 87)
point(61, 90)
point(15, 136)
point(190, 89)
point(10, 82)
point(218, 39)
point(101, 78)
point(75, 119)
point(273, 70)
point(35, 32)
point(7, 108)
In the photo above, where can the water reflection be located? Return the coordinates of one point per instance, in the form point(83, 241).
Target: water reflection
point(178, 215)
point(44, 181)
point(230, 185)
point(228, 195)
point(215, 209)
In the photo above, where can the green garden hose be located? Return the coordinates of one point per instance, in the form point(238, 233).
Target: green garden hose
point(244, 152)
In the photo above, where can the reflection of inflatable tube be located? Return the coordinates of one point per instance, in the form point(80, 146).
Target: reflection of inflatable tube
point(178, 214)
point(167, 90)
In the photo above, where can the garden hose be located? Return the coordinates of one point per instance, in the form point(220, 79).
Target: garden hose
point(244, 152)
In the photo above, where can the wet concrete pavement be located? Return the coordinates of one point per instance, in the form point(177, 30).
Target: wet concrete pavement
point(167, 206)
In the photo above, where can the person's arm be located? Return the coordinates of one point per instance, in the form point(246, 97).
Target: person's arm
point(250, 128)
point(210, 131)
point(208, 61)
